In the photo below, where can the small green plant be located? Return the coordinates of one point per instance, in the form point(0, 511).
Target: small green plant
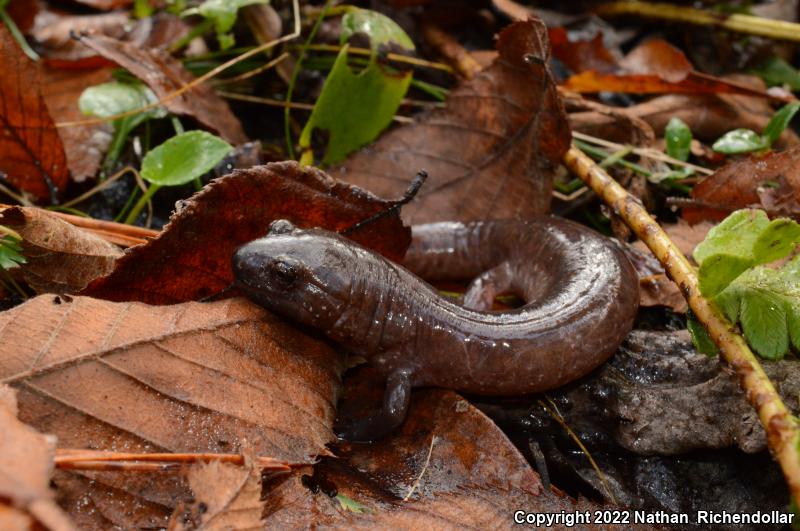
point(749, 268)
point(10, 257)
point(775, 71)
point(222, 15)
point(10, 251)
point(679, 140)
point(355, 107)
point(117, 97)
point(747, 141)
point(179, 160)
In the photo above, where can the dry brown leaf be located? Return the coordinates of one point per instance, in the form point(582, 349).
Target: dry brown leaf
point(191, 258)
point(61, 258)
point(165, 74)
point(53, 29)
point(85, 145)
point(216, 377)
point(656, 66)
point(491, 153)
point(771, 182)
point(26, 464)
point(225, 497)
point(711, 116)
point(31, 154)
point(447, 467)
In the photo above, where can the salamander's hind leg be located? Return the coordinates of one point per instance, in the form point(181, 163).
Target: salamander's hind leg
point(484, 288)
point(379, 424)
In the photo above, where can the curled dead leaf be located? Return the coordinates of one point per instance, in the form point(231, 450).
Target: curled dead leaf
point(61, 258)
point(191, 257)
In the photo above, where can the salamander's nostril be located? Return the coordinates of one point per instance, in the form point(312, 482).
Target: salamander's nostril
point(244, 263)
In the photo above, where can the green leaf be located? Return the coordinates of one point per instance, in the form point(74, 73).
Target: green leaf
point(109, 99)
point(700, 338)
point(10, 252)
point(766, 301)
point(679, 139)
point(354, 108)
point(349, 504)
point(763, 319)
point(735, 235)
point(776, 71)
point(780, 121)
point(744, 239)
point(739, 141)
point(183, 157)
point(378, 27)
point(223, 13)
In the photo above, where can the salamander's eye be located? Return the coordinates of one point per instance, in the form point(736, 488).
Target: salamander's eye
point(286, 269)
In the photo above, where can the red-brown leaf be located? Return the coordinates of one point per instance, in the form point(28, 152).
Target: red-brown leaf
point(740, 185)
point(490, 154)
point(85, 145)
point(191, 258)
point(31, 153)
point(60, 258)
point(657, 67)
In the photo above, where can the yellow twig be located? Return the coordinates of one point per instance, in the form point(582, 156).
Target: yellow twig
point(779, 424)
point(764, 27)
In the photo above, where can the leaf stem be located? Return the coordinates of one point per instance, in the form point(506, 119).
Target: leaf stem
point(195, 32)
point(287, 125)
point(12, 27)
point(141, 203)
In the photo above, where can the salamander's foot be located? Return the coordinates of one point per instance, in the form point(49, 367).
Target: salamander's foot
point(379, 424)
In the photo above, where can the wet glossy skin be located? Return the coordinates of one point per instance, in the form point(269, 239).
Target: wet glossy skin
point(581, 299)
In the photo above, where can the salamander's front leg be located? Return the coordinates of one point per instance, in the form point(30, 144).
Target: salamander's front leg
point(379, 424)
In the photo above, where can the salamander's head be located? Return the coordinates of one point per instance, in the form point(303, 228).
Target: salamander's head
point(302, 274)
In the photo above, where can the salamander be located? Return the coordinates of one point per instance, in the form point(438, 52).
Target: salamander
point(580, 293)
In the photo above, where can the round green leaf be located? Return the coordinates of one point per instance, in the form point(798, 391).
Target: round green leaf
point(183, 157)
point(378, 27)
point(109, 99)
point(739, 141)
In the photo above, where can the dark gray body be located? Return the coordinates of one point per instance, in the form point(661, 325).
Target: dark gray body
point(581, 299)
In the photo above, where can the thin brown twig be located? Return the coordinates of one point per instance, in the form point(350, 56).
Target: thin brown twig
point(77, 459)
point(781, 427)
point(253, 72)
point(205, 77)
point(559, 418)
point(291, 105)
